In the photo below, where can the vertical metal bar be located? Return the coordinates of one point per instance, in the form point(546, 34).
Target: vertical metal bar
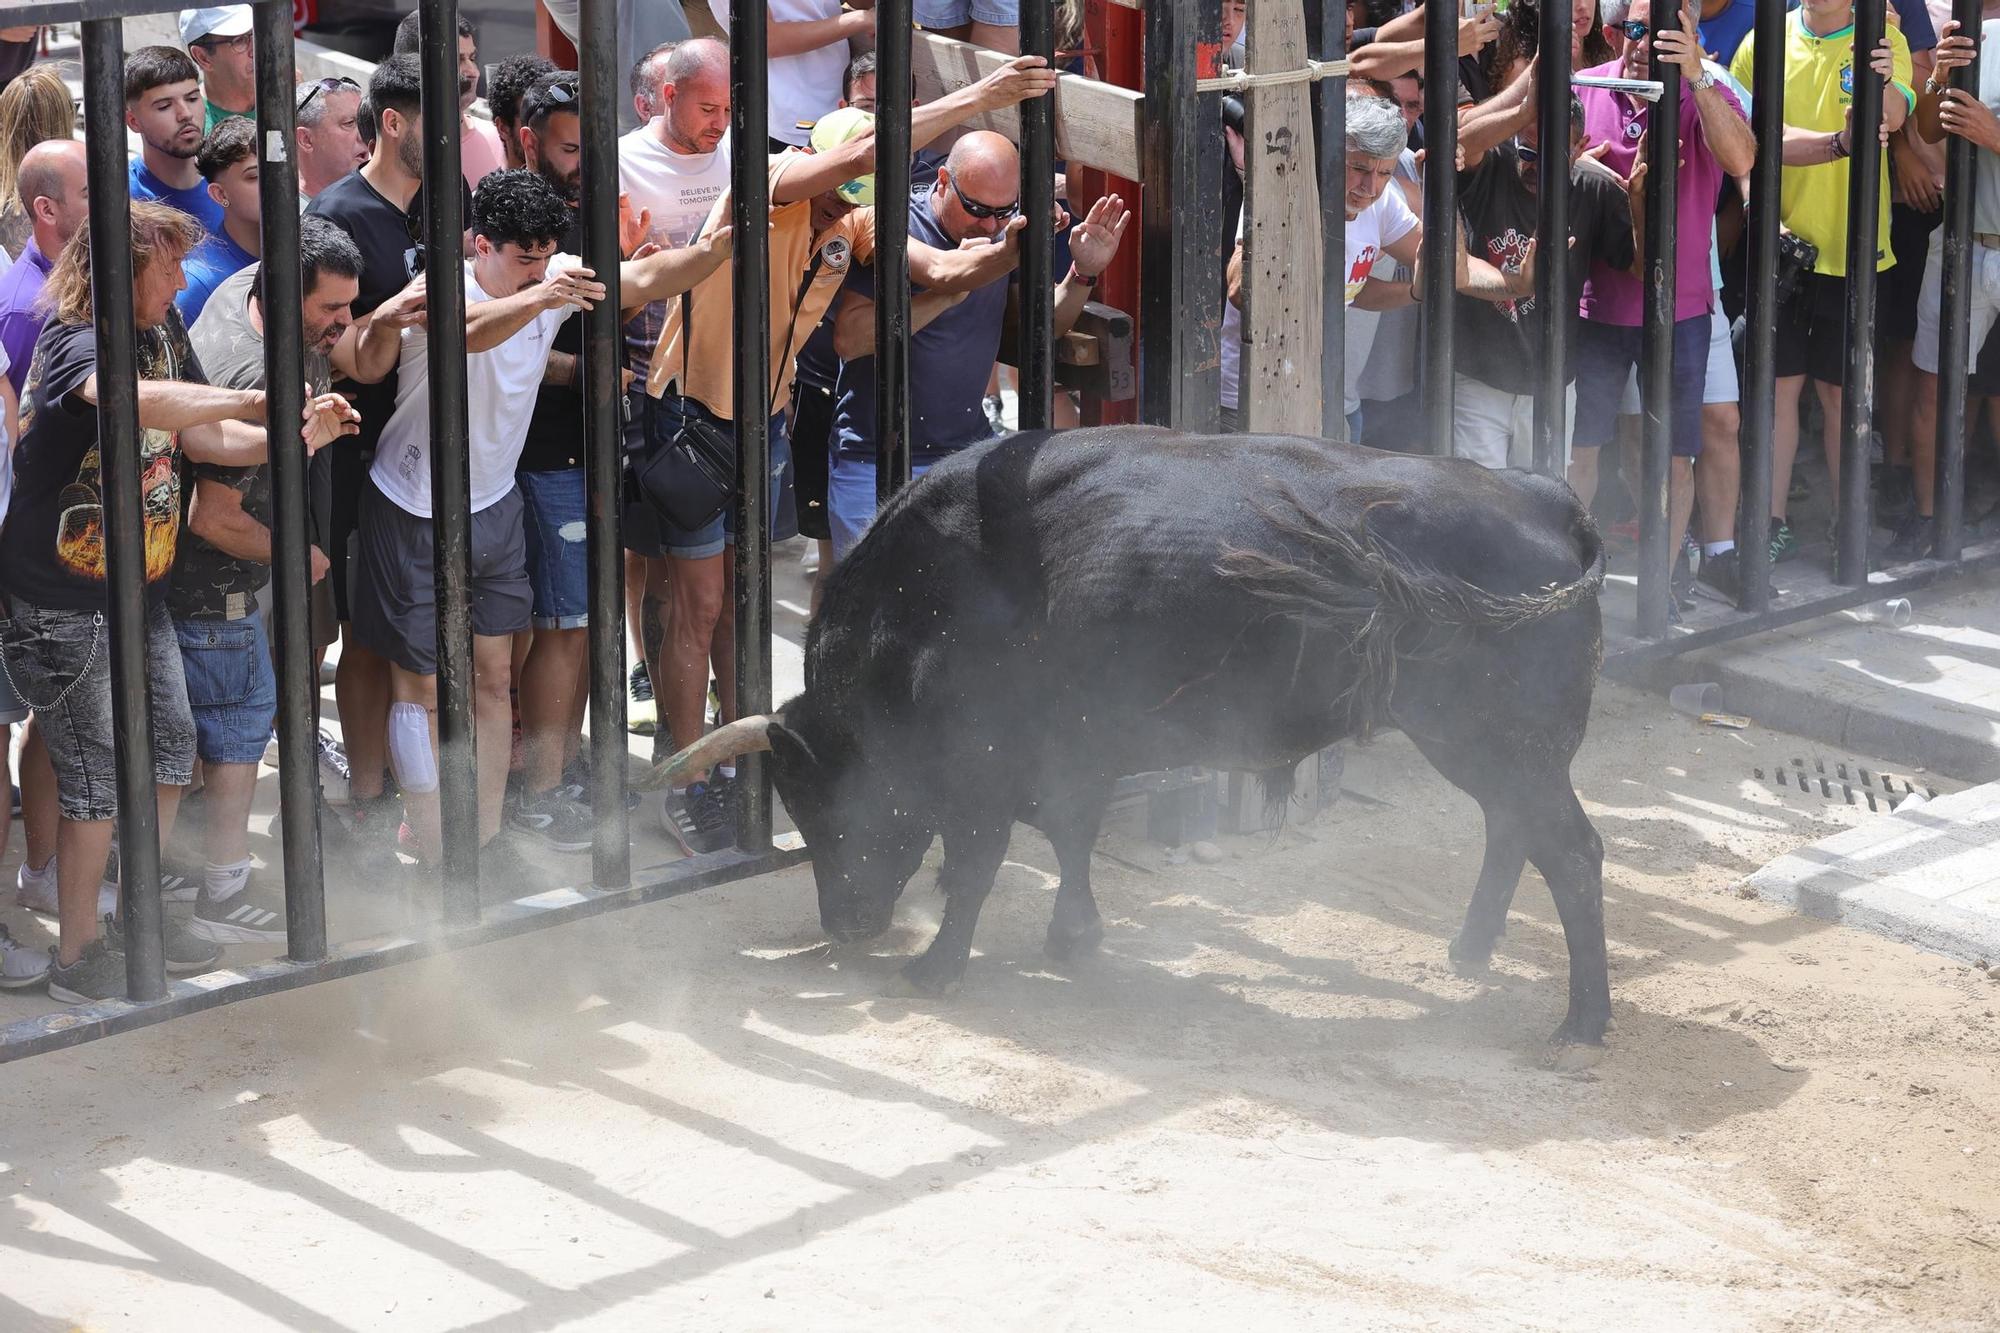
point(1440, 245)
point(1760, 358)
point(1955, 318)
point(1328, 32)
point(1857, 399)
point(603, 441)
point(451, 466)
point(750, 204)
point(1180, 222)
point(1657, 346)
point(1035, 361)
point(291, 540)
point(124, 520)
point(1553, 296)
point(893, 35)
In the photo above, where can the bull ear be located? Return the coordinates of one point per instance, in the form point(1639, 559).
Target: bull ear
point(789, 752)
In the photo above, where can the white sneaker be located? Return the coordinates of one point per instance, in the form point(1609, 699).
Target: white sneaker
point(36, 891)
point(21, 966)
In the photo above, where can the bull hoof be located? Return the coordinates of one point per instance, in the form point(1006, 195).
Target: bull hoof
point(932, 982)
point(1572, 1057)
point(1065, 946)
point(1470, 956)
point(1581, 1030)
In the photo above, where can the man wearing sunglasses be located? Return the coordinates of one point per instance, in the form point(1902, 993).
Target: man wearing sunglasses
point(328, 134)
point(974, 199)
point(218, 37)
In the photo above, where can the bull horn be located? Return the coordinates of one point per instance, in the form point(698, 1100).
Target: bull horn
point(749, 735)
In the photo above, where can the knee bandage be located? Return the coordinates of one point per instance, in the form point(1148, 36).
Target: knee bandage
point(410, 756)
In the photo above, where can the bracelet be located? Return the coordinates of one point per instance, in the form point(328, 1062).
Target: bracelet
point(1077, 275)
point(1838, 149)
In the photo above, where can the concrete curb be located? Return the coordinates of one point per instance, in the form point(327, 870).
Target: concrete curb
point(1928, 875)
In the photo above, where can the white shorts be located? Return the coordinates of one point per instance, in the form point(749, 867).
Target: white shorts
point(1930, 301)
point(1495, 428)
point(1719, 387)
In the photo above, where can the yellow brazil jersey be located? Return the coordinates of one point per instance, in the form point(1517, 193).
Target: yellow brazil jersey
point(1819, 87)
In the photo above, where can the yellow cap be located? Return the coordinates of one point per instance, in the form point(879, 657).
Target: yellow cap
point(842, 126)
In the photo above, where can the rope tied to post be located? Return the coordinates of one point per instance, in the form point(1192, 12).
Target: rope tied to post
point(1311, 72)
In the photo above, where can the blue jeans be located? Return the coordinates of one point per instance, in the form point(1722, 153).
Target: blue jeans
point(230, 687)
point(712, 536)
point(850, 494)
point(558, 527)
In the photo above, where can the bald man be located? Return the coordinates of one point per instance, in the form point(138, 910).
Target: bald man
point(973, 202)
point(54, 187)
point(55, 194)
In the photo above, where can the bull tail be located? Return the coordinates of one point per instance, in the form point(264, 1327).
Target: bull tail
point(1386, 605)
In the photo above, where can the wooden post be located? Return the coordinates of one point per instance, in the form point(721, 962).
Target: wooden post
point(1282, 284)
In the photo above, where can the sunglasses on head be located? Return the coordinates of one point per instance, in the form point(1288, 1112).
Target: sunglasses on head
point(562, 94)
point(978, 210)
point(1635, 30)
point(327, 85)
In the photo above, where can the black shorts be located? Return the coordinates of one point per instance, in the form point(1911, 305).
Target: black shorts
point(395, 594)
point(812, 437)
point(348, 475)
point(1897, 287)
point(1812, 329)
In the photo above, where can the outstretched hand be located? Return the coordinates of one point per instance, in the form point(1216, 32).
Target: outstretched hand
point(327, 417)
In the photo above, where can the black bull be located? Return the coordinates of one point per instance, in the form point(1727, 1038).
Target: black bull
point(1041, 615)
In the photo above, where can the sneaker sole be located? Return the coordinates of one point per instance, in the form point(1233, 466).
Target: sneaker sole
point(227, 932)
point(23, 983)
point(542, 839)
point(67, 996)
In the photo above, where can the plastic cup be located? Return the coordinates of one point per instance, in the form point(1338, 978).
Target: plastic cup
point(1694, 700)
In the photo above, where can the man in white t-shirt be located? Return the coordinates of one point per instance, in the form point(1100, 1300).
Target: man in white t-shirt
point(808, 48)
point(1379, 222)
point(518, 292)
point(673, 168)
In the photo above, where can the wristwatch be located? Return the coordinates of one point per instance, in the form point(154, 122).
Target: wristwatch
point(1706, 81)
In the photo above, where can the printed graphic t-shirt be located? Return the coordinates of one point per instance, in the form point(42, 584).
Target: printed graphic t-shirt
point(52, 547)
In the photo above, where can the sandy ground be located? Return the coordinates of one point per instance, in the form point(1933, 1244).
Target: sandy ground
point(1269, 1100)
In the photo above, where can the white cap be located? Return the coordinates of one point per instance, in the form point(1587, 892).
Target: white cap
point(214, 21)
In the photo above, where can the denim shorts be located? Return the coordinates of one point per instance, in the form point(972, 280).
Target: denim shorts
point(958, 13)
point(60, 663)
point(231, 689)
point(663, 421)
point(558, 528)
point(1605, 356)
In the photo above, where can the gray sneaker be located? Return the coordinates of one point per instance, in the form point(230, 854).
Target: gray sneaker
point(554, 820)
point(21, 966)
point(99, 974)
point(186, 951)
point(254, 914)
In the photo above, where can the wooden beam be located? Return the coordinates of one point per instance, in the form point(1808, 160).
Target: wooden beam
point(1097, 125)
point(1282, 285)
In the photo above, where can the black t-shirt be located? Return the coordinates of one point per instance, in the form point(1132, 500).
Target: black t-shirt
point(390, 240)
point(52, 546)
point(555, 432)
point(1499, 342)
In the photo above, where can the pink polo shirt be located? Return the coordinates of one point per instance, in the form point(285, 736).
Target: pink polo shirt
point(1614, 297)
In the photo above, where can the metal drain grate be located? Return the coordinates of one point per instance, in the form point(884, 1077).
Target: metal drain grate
point(1853, 784)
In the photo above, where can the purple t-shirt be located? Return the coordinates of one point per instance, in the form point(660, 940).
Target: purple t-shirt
point(1614, 297)
point(20, 320)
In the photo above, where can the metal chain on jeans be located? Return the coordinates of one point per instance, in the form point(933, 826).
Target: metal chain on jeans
point(96, 638)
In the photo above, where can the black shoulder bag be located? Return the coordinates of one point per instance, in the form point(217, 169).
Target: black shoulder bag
point(691, 478)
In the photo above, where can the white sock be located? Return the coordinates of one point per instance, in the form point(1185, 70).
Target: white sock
point(1716, 548)
point(47, 872)
point(726, 770)
point(225, 882)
